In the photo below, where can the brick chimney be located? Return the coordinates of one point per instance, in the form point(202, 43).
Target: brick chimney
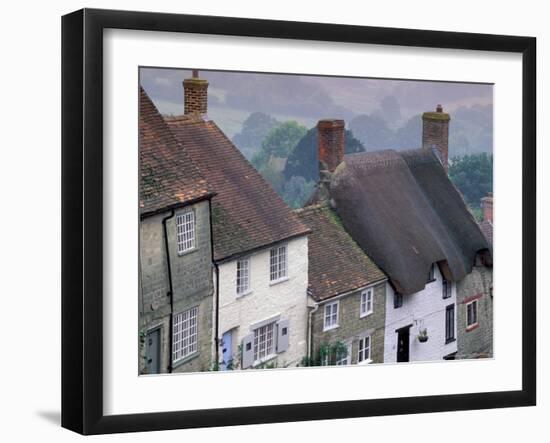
point(330, 149)
point(435, 134)
point(195, 94)
point(487, 207)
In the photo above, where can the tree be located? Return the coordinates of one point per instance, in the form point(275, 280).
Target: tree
point(473, 176)
point(255, 128)
point(270, 160)
point(281, 140)
point(303, 161)
point(297, 191)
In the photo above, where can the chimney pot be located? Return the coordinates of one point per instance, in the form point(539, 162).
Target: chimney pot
point(439, 108)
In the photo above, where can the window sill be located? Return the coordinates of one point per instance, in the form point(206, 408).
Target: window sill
point(264, 360)
point(330, 328)
point(244, 294)
point(184, 360)
point(189, 251)
point(431, 281)
point(472, 327)
point(366, 314)
point(276, 282)
point(450, 340)
point(365, 362)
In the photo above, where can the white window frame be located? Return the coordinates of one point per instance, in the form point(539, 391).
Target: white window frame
point(270, 333)
point(361, 360)
point(470, 325)
point(242, 276)
point(333, 307)
point(367, 302)
point(185, 334)
point(186, 230)
point(278, 263)
point(347, 359)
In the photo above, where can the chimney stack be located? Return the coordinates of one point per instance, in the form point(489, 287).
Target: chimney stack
point(331, 134)
point(435, 134)
point(487, 207)
point(330, 151)
point(195, 94)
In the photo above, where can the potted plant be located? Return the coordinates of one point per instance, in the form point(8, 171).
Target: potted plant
point(423, 335)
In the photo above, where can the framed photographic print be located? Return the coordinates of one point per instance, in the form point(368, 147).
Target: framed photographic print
point(271, 221)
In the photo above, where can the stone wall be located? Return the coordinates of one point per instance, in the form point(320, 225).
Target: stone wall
point(191, 280)
point(352, 326)
point(476, 341)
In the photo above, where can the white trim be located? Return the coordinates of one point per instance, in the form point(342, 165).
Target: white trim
point(332, 325)
point(366, 293)
point(246, 270)
point(189, 330)
point(361, 351)
point(469, 326)
point(181, 237)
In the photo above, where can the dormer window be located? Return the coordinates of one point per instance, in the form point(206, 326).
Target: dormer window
point(431, 274)
point(447, 287)
point(397, 300)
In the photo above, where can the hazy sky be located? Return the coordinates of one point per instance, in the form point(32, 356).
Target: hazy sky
point(310, 97)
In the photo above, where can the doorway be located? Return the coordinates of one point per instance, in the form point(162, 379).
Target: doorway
point(153, 351)
point(227, 351)
point(403, 341)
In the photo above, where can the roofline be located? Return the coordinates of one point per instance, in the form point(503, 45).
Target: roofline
point(237, 255)
point(207, 196)
point(351, 291)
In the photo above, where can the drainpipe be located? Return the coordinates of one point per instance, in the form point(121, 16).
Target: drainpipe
point(217, 315)
point(170, 290)
point(217, 289)
point(309, 327)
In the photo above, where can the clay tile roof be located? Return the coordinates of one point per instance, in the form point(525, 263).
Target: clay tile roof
point(247, 213)
point(168, 177)
point(336, 263)
point(404, 211)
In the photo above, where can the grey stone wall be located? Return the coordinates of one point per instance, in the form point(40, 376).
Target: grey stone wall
point(192, 286)
point(478, 341)
point(352, 326)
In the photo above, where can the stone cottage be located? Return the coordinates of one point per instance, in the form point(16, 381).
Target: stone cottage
point(475, 298)
point(347, 295)
point(175, 254)
point(404, 212)
point(259, 248)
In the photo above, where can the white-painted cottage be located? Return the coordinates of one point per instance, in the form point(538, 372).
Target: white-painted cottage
point(259, 249)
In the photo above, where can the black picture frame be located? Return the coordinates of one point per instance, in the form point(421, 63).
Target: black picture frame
point(82, 215)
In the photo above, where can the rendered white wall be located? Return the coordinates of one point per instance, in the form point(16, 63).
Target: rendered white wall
point(287, 299)
point(424, 309)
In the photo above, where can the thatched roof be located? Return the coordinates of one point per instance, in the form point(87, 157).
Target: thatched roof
point(405, 213)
